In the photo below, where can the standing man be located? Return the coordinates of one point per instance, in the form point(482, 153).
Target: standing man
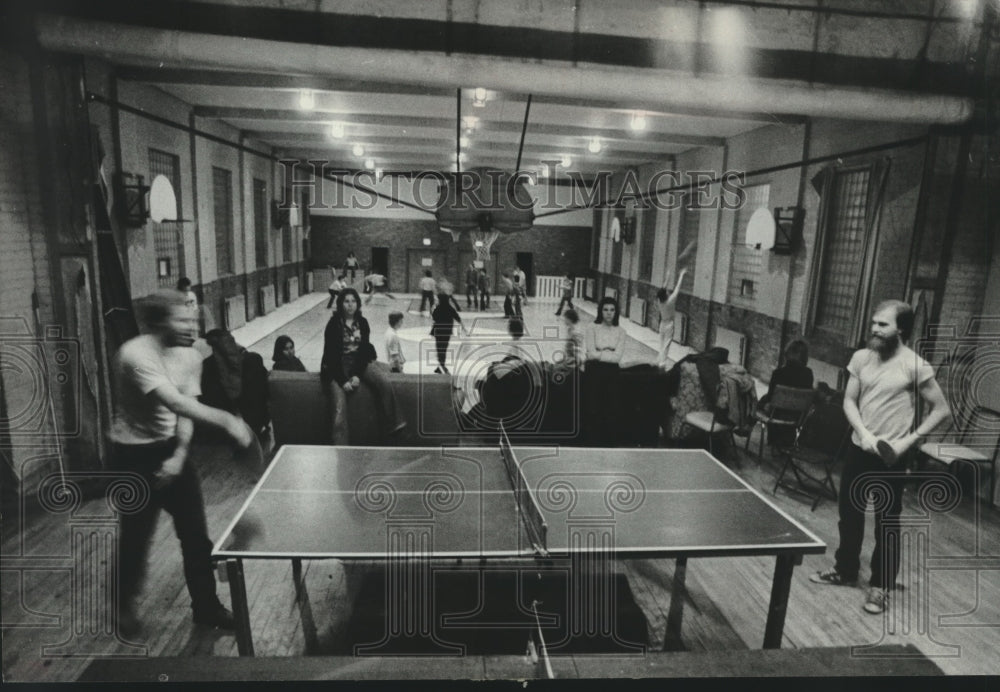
point(521, 280)
point(351, 265)
point(566, 287)
point(157, 379)
point(885, 379)
point(484, 289)
point(427, 287)
point(471, 286)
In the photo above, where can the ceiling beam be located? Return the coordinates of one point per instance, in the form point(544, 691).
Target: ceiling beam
point(360, 119)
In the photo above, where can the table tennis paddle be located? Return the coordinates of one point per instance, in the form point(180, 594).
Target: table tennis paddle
point(887, 453)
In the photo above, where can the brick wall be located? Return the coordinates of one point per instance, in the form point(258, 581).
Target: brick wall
point(555, 249)
point(24, 272)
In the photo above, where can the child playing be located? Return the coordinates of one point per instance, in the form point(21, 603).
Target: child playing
point(392, 345)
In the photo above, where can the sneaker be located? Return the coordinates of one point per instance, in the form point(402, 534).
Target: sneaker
point(218, 617)
point(832, 578)
point(876, 601)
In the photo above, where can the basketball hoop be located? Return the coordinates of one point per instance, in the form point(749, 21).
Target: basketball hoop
point(483, 241)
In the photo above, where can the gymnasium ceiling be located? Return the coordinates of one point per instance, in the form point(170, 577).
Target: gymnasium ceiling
point(389, 71)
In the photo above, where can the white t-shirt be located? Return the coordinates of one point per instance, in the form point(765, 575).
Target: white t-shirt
point(888, 391)
point(428, 284)
point(139, 367)
point(393, 348)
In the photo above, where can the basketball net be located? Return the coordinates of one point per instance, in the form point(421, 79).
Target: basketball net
point(482, 242)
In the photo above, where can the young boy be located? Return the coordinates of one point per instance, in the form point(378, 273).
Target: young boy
point(392, 345)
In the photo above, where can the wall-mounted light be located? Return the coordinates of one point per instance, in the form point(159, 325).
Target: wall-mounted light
point(337, 130)
point(307, 99)
point(594, 145)
point(638, 121)
point(358, 150)
point(427, 241)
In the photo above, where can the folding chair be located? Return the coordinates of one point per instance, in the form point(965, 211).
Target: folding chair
point(714, 422)
point(786, 409)
point(820, 440)
point(981, 419)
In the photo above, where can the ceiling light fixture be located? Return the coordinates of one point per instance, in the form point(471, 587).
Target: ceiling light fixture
point(469, 124)
point(594, 145)
point(464, 141)
point(358, 150)
point(638, 121)
point(566, 161)
point(479, 97)
point(337, 130)
point(307, 99)
point(370, 164)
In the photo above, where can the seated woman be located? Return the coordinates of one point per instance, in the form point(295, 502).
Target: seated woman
point(605, 347)
point(793, 373)
point(284, 355)
point(347, 354)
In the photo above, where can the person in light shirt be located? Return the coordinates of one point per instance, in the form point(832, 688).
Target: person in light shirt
point(605, 348)
point(885, 379)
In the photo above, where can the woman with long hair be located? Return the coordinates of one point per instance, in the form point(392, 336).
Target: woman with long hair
point(605, 348)
point(347, 357)
point(284, 355)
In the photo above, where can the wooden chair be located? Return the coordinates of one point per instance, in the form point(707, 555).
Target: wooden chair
point(787, 409)
point(970, 444)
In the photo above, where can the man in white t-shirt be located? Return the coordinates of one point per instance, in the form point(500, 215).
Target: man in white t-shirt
point(879, 403)
point(157, 377)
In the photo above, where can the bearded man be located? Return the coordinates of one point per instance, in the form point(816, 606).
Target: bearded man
point(885, 379)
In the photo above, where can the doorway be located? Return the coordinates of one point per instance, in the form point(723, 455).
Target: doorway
point(526, 261)
point(420, 261)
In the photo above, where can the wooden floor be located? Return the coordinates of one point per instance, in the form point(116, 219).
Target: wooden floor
point(951, 614)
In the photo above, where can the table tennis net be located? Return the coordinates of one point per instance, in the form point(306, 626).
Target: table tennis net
point(527, 505)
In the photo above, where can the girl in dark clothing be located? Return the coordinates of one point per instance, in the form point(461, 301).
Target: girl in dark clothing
point(284, 355)
point(444, 315)
point(793, 373)
point(347, 354)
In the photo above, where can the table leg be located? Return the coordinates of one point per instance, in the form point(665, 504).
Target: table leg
point(780, 587)
point(678, 593)
point(241, 609)
point(309, 633)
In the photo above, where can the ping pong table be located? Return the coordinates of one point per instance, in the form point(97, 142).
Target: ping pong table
point(416, 510)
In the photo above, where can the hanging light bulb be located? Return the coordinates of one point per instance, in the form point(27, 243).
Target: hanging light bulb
point(594, 145)
point(358, 150)
point(307, 99)
point(337, 130)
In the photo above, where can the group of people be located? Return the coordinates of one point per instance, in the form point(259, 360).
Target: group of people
point(157, 378)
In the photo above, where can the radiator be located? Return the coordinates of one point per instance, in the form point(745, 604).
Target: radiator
point(735, 342)
point(234, 312)
point(551, 287)
point(265, 299)
point(637, 310)
point(681, 328)
point(291, 289)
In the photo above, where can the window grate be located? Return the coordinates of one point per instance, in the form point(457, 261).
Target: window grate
point(260, 222)
point(688, 234)
point(746, 263)
point(222, 189)
point(843, 256)
point(646, 243)
point(167, 236)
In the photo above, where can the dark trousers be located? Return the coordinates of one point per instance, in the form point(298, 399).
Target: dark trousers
point(441, 342)
point(567, 300)
point(333, 298)
point(426, 297)
point(182, 498)
point(484, 299)
point(885, 556)
point(508, 307)
point(471, 296)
